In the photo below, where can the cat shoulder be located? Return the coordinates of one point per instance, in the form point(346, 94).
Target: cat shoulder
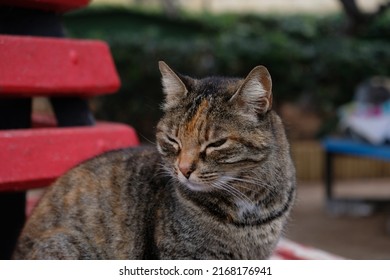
point(125, 155)
point(121, 161)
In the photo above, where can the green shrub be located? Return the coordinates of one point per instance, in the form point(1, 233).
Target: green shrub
point(308, 57)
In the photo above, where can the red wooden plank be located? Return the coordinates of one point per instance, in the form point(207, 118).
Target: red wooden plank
point(50, 5)
point(33, 66)
point(32, 158)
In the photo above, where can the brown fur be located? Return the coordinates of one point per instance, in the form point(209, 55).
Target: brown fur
point(220, 184)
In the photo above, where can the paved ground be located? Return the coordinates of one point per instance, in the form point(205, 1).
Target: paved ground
point(346, 236)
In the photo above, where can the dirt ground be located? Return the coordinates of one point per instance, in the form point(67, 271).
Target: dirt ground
point(351, 237)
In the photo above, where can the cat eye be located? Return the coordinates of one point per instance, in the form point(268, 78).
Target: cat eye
point(175, 143)
point(170, 139)
point(217, 144)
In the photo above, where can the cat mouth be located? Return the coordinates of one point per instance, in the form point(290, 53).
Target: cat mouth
point(193, 185)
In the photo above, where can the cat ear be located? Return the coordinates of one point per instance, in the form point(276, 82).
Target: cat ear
point(173, 87)
point(255, 93)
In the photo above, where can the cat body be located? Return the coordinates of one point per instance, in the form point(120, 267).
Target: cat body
point(219, 185)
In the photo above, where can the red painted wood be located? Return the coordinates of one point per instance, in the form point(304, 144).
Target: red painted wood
point(50, 5)
point(34, 66)
point(31, 158)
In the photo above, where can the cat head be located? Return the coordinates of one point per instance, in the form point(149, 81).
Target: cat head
point(214, 129)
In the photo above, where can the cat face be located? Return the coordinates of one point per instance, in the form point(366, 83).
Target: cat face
point(213, 130)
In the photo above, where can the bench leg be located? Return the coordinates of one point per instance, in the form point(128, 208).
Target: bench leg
point(12, 218)
point(14, 113)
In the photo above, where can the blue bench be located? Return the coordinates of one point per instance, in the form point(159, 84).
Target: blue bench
point(340, 146)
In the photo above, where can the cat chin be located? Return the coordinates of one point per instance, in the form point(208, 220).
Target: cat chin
point(198, 187)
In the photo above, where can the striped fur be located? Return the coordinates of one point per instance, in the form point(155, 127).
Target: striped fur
point(220, 184)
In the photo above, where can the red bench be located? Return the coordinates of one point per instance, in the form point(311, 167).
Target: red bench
point(36, 66)
point(34, 158)
point(34, 155)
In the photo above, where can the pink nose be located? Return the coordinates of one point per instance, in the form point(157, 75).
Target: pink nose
point(186, 169)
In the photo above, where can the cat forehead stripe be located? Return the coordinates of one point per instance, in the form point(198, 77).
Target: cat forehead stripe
point(199, 113)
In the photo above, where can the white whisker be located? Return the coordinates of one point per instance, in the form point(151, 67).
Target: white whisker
point(163, 170)
point(253, 181)
point(232, 190)
point(228, 190)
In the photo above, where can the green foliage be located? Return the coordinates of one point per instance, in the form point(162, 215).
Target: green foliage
point(307, 56)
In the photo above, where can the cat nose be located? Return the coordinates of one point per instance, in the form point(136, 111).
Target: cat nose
point(186, 169)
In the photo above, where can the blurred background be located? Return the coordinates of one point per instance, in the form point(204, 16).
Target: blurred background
point(317, 52)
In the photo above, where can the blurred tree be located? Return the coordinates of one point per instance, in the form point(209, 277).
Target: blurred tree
point(358, 19)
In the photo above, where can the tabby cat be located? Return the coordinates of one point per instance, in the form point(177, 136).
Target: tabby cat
point(219, 185)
